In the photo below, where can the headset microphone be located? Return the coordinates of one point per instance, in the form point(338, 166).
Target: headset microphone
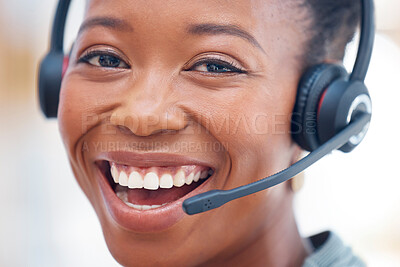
point(332, 111)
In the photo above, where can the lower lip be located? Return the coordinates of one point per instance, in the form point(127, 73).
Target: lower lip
point(153, 220)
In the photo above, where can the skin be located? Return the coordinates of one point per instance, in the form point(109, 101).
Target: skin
point(168, 99)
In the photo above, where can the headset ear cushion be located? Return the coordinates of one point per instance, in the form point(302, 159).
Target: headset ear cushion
point(310, 89)
point(50, 76)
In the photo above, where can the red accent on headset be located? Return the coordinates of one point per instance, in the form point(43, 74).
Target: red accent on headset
point(320, 101)
point(65, 66)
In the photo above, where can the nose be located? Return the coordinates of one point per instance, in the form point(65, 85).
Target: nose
point(148, 108)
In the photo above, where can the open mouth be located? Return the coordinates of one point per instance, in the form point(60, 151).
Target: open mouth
point(147, 188)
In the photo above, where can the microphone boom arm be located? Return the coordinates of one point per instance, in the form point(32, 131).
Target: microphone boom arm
point(216, 198)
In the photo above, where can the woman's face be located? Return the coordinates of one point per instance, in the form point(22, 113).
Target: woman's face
point(162, 92)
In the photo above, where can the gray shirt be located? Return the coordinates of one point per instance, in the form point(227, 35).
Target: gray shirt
point(329, 250)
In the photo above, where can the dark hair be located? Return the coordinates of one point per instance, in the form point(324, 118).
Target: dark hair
point(332, 25)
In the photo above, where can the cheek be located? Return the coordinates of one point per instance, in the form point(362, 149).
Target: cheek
point(69, 121)
point(76, 116)
point(257, 120)
point(254, 126)
point(79, 109)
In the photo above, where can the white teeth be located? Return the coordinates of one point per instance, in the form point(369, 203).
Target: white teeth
point(189, 179)
point(138, 207)
point(135, 180)
point(204, 174)
point(146, 207)
point(196, 177)
point(143, 207)
point(132, 177)
point(123, 179)
point(179, 179)
point(166, 181)
point(151, 181)
point(114, 173)
point(122, 195)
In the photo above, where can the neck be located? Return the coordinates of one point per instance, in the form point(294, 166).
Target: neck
point(278, 244)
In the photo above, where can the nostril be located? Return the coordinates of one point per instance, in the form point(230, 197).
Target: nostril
point(124, 129)
point(145, 130)
point(164, 131)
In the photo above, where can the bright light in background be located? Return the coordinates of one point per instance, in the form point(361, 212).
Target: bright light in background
point(50, 220)
point(387, 14)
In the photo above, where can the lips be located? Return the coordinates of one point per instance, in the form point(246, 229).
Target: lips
point(145, 192)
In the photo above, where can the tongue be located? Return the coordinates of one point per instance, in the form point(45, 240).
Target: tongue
point(159, 196)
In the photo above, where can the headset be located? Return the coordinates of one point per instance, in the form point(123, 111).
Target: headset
point(332, 110)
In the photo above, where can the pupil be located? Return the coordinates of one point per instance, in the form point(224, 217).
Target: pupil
point(109, 61)
point(216, 68)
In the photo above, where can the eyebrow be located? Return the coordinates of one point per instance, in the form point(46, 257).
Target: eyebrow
point(216, 29)
point(106, 22)
point(197, 29)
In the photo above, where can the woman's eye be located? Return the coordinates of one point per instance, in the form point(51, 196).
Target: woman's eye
point(215, 67)
point(103, 60)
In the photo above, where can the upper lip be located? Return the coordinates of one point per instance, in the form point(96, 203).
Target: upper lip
point(151, 159)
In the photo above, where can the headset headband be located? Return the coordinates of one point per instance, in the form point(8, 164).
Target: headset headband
point(57, 33)
point(367, 36)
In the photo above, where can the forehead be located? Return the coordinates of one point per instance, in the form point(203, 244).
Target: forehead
point(254, 15)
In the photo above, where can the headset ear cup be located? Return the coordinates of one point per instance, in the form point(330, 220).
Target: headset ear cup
point(311, 88)
point(50, 76)
point(343, 101)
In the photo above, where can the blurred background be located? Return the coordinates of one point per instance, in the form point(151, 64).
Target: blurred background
point(47, 221)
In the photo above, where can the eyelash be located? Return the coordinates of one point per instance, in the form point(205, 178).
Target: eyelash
point(210, 61)
point(229, 67)
point(88, 56)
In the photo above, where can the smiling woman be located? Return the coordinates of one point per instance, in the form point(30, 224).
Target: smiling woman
point(145, 81)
